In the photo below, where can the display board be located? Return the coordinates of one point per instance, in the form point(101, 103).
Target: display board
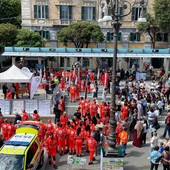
point(17, 106)
point(140, 76)
point(113, 164)
point(44, 107)
point(31, 105)
point(5, 107)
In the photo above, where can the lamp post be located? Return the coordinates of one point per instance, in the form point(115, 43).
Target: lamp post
point(115, 16)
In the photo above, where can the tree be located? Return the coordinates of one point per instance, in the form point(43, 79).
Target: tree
point(80, 34)
point(10, 12)
point(162, 14)
point(8, 34)
point(151, 27)
point(27, 38)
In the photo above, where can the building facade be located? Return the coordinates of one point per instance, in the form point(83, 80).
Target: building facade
point(48, 16)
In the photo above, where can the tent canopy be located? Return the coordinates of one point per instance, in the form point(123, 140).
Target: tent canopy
point(15, 75)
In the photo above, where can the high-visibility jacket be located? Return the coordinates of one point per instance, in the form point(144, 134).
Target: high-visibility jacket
point(24, 116)
point(123, 137)
point(91, 143)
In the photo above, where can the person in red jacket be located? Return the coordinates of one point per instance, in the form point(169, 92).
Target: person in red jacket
point(10, 129)
point(79, 143)
point(64, 119)
point(94, 109)
point(72, 93)
point(91, 144)
point(51, 147)
point(49, 128)
point(82, 105)
point(62, 82)
point(61, 135)
point(9, 95)
point(24, 115)
point(62, 104)
point(71, 140)
point(4, 130)
point(35, 116)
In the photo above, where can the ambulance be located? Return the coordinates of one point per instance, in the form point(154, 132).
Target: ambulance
point(23, 151)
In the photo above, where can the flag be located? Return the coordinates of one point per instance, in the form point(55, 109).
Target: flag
point(35, 81)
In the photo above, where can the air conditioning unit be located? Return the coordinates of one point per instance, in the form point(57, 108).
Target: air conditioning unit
point(130, 51)
point(26, 49)
point(155, 50)
point(104, 50)
point(52, 49)
point(78, 49)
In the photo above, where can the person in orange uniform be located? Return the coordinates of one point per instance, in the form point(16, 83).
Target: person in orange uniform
point(94, 109)
point(9, 95)
point(11, 129)
point(82, 105)
point(64, 119)
point(24, 115)
point(118, 130)
point(125, 112)
point(51, 147)
point(91, 144)
point(83, 87)
point(35, 116)
point(72, 93)
point(62, 104)
point(71, 137)
point(4, 130)
point(62, 82)
point(1, 119)
point(61, 135)
point(123, 140)
point(49, 128)
point(79, 143)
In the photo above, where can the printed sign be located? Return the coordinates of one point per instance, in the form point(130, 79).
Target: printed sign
point(76, 160)
point(113, 164)
point(17, 106)
point(5, 107)
point(31, 105)
point(23, 137)
point(44, 107)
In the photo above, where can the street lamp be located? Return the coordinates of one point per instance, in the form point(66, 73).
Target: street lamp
point(115, 16)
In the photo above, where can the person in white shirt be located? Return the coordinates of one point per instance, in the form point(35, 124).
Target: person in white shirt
point(151, 116)
point(160, 105)
point(154, 141)
point(156, 111)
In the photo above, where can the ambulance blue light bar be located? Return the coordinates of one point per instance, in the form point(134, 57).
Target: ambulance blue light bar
point(17, 143)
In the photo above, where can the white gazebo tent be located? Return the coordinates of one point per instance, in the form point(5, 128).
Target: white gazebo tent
point(15, 75)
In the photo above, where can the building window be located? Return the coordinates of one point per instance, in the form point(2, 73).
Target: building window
point(68, 62)
point(61, 61)
point(110, 36)
point(65, 12)
point(44, 34)
point(86, 62)
point(162, 37)
point(134, 36)
point(136, 11)
point(41, 11)
point(120, 11)
point(88, 13)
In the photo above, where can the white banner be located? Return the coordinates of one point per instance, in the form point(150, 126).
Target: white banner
point(35, 81)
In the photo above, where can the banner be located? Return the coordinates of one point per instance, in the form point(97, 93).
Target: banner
point(35, 81)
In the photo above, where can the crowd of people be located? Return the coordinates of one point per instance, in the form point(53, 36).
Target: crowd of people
point(138, 108)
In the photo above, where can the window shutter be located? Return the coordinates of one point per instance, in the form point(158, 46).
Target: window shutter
point(158, 37)
point(144, 11)
point(119, 36)
point(138, 36)
point(46, 12)
point(47, 35)
point(82, 13)
point(35, 11)
point(165, 37)
point(108, 36)
point(133, 13)
point(70, 12)
point(131, 38)
point(60, 12)
point(94, 13)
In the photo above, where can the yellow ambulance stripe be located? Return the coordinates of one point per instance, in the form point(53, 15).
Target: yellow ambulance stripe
point(16, 151)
